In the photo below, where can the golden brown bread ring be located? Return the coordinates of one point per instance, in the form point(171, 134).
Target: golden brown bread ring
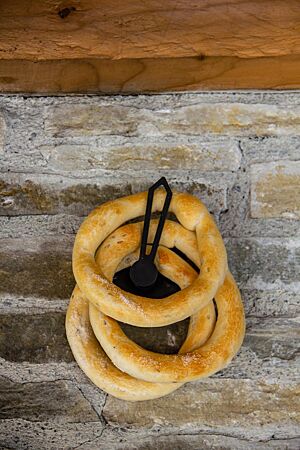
point(93, 360)
point(137, 310)
point(123, 242)
point(96, 364)
point(213, 356)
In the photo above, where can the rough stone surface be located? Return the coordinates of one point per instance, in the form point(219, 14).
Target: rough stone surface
point(39, 225)
point(209, 156)
point(38, 268)
point(60, 401)
point(2, 132)
point(185, 440)
point(25, 194)
point(62, 156)
point(161, 339)
point(273, 338)
point(257, 149)
point(47, 435)
point(254, 406)
point(274, 303)
point(40, 194)
point(219, 118)
point(265, 263)
point(270, 349)
point(275, 189)
point(36, 338)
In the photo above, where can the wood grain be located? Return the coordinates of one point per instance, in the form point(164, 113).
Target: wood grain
point(148, 75)
point(113, 29)
point(86, 46)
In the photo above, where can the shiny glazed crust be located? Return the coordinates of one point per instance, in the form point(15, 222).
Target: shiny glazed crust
point(207, 359)
point(213, 356)
point(137, 310)
point(87, 350)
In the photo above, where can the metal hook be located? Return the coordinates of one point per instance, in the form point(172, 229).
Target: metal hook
point(143, 273)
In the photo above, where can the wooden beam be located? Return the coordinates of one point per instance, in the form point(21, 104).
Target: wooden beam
point(113, 46)
point(148, 75)
point(116, 29)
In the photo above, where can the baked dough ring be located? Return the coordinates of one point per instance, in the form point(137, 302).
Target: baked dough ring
point(95, 363)
point(93, 360)
point(213, 356)
point(121, 249)
point(137, 310)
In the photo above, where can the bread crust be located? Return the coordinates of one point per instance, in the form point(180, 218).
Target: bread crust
point(88, 352)
point(204, 361)
point(102, 246)
point(138, 310)
point(210, 358)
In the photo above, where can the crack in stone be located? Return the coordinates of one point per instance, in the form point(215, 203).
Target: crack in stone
point(89, 441)
point(106, 424)
point(91, 405)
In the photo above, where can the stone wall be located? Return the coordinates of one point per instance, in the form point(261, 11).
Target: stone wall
point(61, 156)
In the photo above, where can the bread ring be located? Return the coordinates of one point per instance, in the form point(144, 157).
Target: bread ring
point(138, 310)
point(96, 364)
point(213, 356)
point(89, 354)
point(126, 240)
point(202, 362)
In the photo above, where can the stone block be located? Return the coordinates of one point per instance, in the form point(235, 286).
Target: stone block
point(275, 190)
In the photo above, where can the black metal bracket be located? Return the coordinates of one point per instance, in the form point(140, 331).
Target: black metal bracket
point(143, 273)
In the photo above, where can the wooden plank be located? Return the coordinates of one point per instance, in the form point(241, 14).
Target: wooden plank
point(87, 46)
point(148, 75)
point(112, 29)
